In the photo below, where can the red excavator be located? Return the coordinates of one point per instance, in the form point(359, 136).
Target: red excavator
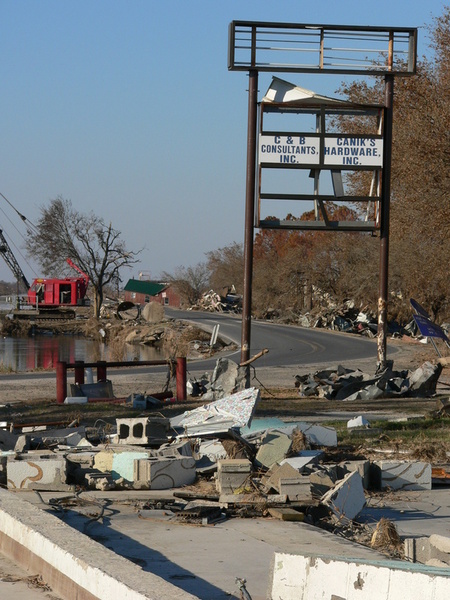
point(53, 293)
point(48, 295)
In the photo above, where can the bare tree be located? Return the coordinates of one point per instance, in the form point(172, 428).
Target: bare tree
point(190, 282)
point(93, 245)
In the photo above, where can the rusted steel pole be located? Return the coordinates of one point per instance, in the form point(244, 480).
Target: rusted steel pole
point(79, 372)
point(101, 370)
point(384, 223)
point(181, 379)
point(61, 382)
point(249, 214)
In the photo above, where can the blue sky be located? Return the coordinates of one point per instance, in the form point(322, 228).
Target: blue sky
point(128, 110)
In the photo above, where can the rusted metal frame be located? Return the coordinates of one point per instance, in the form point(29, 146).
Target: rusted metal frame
point(317, 171)
point(260, 27)
point(384, 225)
point(319, 225)
point(101, 365)
point(375, 183)
point(249, 214)
point(322, 41)
point(326, 197)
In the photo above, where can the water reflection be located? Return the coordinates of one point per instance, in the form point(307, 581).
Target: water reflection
point(44, 351)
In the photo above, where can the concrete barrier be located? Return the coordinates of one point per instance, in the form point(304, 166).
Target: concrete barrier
point(315, 577)
point(72, 564)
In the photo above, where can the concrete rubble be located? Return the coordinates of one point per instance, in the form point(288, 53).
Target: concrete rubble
point(346, 384)
point(221, 461)
point(249, 462)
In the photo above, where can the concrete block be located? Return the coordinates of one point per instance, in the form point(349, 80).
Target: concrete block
point(403, 475)
point(304, 458)
point(346, 500)
point(296, 489)
point(361, 466)
point(164, 473)
point(143, 431)
point(37, 472)
point(426, 549)
point(286, 514)
point(323, 480)
point(315, 577)
point(176, 449)
point(272, 478)
point(440, 543)
point(359, 421)
point(274, 448)
point(232, 475)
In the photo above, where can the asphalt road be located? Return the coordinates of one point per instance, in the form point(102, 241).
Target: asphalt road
point(288, 345)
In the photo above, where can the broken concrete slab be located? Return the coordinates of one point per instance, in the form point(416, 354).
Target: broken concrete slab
point(119, 460)
point(422, 382)
point(346, 499)
point(318, 435)
point(356, 385)
point(233, 411)
point(271, 480)
point(275, 446)
point(361, 466)
point(158, 473)
point(323, 479)
point(37, 471)
point(175, 449)
point(70, 436)
point(359, 421)
point(401, 475)
point(426, 550)
point(312, 576)
point(286, 514)
point(303, 459)
point(227, 378)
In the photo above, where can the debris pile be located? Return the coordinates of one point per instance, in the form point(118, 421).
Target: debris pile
point(347, 384)
point(214, 302)
point(219, 461)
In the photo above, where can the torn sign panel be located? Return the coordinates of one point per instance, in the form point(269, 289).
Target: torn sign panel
point(232, 411)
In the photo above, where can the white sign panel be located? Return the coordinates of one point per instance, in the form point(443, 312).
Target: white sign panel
point(289, 149)
point(305, 150)
point(363, 152)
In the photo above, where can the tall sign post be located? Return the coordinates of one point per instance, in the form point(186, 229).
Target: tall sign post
point(309, 48)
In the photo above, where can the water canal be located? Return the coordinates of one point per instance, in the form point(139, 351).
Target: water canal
point(42, 352)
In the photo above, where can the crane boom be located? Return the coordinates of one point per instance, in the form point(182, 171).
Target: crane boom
point(11, 261)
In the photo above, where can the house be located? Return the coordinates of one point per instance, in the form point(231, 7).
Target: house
point(141, 292)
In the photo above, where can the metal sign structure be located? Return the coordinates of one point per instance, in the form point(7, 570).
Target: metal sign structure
point(309, 48)
point(322, 153)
